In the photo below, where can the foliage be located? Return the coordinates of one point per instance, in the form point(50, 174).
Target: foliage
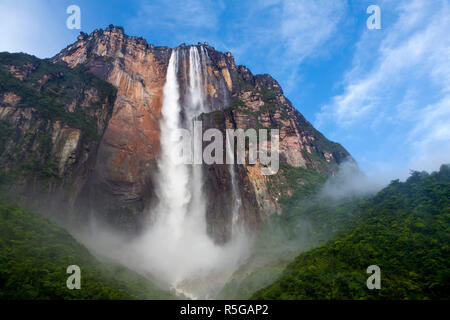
point(42, 170)
point(308, 220)
point(249, 278)
point(34, 256)
point(295, 184)
point(307, 223)
point(404, 230)
point(5, 178)
point(5, 131)
point(238, 103)
point(49, 87)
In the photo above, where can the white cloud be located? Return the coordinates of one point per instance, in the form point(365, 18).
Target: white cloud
point(306, 25)
point(282, 34)
point(406, 51)
point(408, 82)
point(295, 29)
point(285, 31)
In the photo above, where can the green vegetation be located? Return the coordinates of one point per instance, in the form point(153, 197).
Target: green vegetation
point(268, 94)
point(270, 102)
point(250, 278)
point(242, 84)
point(34, 256)
point(303, 226)
point(56, 93)
point(308, 220)
point(404, 230)
point(43, 170)
point(5, 131)
point(237, 104)
point(61, 87)
point(5, 178)
point(302, 183)
point(218, 116)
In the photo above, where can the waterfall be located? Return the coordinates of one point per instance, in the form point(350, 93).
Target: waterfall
point(173, 179)
point(196, 83)
point(194, 107)
point(180, 187)
point(237, 200)
point(175, 248)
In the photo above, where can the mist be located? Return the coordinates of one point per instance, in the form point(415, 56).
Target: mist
point(303, 225)
point(176, 254)
point(350, 182)
point(175, 250)
point(190, 265)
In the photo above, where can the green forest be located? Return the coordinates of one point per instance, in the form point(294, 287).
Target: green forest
point(35, 254)
point(404, 229)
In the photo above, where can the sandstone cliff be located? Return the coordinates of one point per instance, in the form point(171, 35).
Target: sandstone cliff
point(52, 119)
point(120, 188)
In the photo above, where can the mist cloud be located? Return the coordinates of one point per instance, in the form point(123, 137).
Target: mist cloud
point(350, 182)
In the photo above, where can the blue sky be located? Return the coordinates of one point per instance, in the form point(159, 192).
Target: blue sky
point(383, 94)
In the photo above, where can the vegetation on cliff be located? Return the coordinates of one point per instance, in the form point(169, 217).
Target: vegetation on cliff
point(40, 100)
point(50, 88)
point(308, 220)
point(5, 131)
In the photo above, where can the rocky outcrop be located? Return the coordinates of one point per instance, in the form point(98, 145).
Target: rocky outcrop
point(258, 102)
point(120, 186)
point(52, 119)
point(250, 101)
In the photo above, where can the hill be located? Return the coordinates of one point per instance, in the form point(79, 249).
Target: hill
point(404, 230)
point(34, 256)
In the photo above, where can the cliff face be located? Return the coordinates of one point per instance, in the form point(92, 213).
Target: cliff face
point(120, 186)
point(257, 101)
point(51, 121)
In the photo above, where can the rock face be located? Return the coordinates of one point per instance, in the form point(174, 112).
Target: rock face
point(52, 119)
point(258, 102)
point(121, 185)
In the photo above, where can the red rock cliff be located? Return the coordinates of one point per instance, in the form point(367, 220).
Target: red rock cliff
point(121, 187)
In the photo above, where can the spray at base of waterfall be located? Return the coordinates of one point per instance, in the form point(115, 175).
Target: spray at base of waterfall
point(176, 247)
point(175, 252)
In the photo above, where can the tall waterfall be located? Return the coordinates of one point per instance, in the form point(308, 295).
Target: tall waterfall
point(173, 177)
point(237, 200)
point(176, 248)
point(195, 106)
point(180, 186)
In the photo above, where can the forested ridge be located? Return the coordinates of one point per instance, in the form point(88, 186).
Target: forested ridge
point(404, 229)
point(35, 254)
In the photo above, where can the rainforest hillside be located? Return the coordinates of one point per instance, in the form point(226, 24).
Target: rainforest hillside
point(404, 229)
point(34, 256)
